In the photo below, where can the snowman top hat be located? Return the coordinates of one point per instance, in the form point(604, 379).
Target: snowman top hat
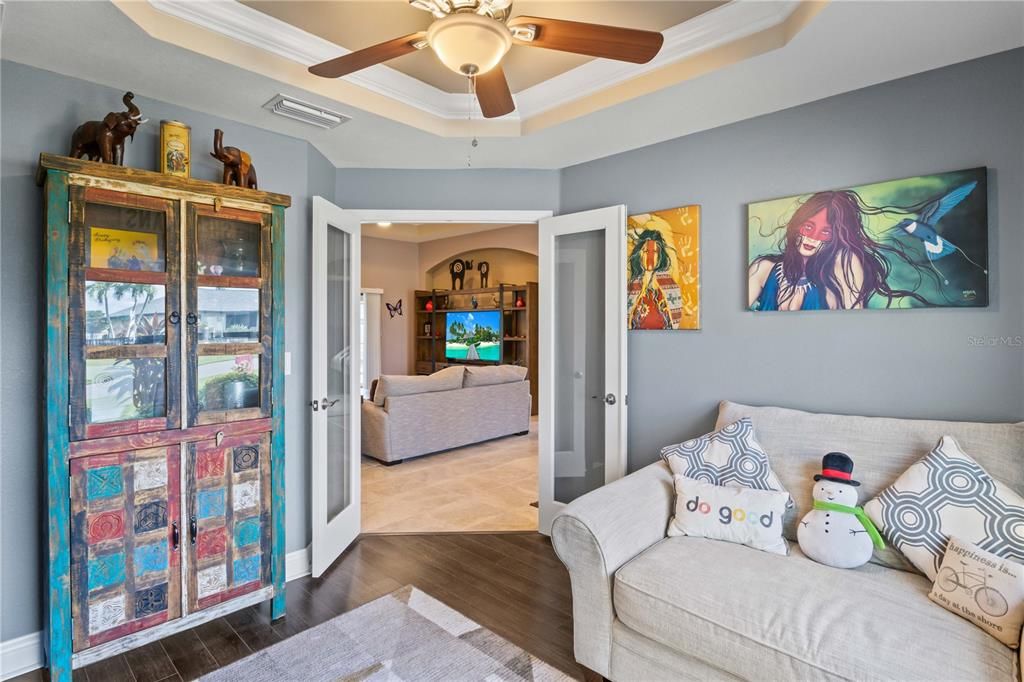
point(838, 467)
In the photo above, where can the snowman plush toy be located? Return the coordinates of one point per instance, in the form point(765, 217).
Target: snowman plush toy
point(837, 532)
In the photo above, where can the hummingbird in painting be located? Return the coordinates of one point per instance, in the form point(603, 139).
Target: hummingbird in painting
point(923, 227)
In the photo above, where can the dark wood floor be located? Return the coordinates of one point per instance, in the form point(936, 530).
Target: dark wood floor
point(510, 583)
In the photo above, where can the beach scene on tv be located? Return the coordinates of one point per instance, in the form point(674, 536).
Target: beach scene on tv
point(474, 336)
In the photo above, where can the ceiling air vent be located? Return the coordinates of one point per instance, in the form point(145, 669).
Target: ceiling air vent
point(284, 105)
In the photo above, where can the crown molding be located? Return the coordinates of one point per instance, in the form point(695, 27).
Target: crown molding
point(732, 21)
point(724, 24)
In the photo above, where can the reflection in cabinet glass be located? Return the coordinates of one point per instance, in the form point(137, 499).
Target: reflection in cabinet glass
point(164, 420)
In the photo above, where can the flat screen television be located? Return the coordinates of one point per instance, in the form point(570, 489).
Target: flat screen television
point(473, 336)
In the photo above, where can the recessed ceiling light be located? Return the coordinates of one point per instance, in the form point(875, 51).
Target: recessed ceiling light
point(385, 224)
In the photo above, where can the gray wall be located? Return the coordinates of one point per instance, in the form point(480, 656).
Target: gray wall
point(916, 363)
point(482, 189)
point(40, 109)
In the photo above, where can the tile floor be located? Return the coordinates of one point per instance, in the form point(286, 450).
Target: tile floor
point(485, 487)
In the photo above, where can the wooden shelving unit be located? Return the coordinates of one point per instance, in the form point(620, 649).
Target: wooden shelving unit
point(519, 326)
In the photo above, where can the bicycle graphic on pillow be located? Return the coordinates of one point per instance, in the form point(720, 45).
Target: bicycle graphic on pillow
point(989, 599)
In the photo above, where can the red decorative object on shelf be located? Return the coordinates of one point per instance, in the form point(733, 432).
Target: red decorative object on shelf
point(429, 306)
point(519, 302)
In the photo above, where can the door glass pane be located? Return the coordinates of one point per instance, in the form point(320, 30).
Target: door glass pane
point(229, 248)
point(125, 238)
point(579, 414)
point(340, 365)
point(229, 382)
point(119, 313)
point(124, 388)
point(228, 315)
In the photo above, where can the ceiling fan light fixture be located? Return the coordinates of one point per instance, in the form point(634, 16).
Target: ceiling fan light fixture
point(468, 43)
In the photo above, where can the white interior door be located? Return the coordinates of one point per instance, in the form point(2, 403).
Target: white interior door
point(582, 369)
point(334, 404)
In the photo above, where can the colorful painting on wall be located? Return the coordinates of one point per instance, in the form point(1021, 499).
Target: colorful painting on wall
point(663, 269)
point(913, 243)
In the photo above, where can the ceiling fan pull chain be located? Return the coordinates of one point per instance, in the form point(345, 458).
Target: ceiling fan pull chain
point(470, 92)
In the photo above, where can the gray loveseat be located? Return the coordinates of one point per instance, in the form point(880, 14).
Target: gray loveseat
point(647, 607)
point(411, 416)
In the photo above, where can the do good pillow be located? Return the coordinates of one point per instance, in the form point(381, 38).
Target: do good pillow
point(741, 515)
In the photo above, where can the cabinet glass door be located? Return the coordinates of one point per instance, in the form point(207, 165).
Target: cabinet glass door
point(125, 540)
point(228, 492)
point(124, 314)
point(228, 280)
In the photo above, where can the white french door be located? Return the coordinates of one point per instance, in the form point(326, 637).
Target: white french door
point(582, 370)
point(334, 404)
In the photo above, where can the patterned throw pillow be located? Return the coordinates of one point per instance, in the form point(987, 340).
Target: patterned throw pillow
point(730, 456)
point(947, 493)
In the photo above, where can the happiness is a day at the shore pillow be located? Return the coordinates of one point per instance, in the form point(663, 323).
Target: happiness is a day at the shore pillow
point(983, 588)
point(730, 456)
point(741, 515)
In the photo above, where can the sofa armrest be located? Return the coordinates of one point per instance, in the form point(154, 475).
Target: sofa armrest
point(375, 432)
point(594, 536)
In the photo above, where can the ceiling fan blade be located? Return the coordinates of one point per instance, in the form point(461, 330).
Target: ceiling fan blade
point(375, 54)
point(595, 40)
point(493, 93)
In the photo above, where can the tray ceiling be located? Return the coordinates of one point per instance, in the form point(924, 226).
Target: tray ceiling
point(355, 25)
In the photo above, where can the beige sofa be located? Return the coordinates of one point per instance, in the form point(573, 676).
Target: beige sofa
point(647, 607)
point(410, 416)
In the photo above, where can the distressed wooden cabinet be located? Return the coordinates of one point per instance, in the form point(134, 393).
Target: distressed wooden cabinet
point(165, 415)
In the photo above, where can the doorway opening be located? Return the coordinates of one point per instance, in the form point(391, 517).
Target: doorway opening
point(456, 380)
point(449, 420)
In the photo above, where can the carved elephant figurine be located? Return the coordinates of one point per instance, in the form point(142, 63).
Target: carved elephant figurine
point(458, 268)
point(104, 140)
point(238, 168)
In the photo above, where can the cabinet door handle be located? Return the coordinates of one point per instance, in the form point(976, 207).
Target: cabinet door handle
point(175, 536)
point(191, 318)
point(174, 317)
point(193, 529)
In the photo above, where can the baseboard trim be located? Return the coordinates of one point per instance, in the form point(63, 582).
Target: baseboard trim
point(25, 654)
point(298, 564)
point(21, 655)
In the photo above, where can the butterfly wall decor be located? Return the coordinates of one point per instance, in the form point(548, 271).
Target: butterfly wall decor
point(395, 309)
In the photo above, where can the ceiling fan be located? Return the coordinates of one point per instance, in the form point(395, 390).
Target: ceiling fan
point(471, 37)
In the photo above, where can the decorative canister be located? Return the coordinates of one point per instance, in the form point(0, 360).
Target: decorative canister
point(175, 148)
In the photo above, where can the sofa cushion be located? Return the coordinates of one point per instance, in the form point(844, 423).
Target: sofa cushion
point(881, 449)
point(447, 379)
point(750, 612)
point(493, 374)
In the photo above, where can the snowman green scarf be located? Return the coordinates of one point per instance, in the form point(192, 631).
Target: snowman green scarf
point(861, 516)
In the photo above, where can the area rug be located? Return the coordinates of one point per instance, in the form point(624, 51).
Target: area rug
point(405, 636)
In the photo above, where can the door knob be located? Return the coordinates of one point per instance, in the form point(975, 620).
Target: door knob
point(609, 399)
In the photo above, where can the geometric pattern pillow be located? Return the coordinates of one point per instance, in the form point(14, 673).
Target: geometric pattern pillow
point(730, 456)
point(943, 494)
